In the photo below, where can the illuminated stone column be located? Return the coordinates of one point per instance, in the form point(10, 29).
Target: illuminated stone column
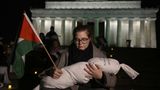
point(147, 32)
point(42, 26)
point(59, 29)
point(122, 32)
point(130, 32)
point(136, 32)
point(112, 32)
point(153, 34)
point(96, 28)
point(84, 21)
point(107, 30)
point(62, 36)
point(119, 30)
point(142, 36)
point(73, 23)
point(125, 31)
point(68, 31)
point(52, 22)
point(47, 24)
point(35, 24)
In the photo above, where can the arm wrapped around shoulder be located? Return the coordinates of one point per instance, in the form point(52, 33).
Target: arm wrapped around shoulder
point(75, 73)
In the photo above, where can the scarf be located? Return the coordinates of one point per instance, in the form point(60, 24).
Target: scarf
point(76, 55)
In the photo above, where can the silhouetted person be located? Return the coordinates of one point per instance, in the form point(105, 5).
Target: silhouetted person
point(51, 34)
point(101, 43)
point(43, 37)
point(54, 48)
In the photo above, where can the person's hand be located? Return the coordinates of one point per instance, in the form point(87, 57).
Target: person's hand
point(57, 73)
point(94, 70)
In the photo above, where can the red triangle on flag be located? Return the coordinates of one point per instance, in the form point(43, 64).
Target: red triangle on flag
point(27, 32)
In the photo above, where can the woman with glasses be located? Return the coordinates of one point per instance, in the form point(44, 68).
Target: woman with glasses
point(82, 49)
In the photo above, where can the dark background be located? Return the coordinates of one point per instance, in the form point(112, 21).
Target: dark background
point(145, 61)
point(12, 15)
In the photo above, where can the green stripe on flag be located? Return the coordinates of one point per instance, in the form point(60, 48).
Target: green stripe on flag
point(22, 49)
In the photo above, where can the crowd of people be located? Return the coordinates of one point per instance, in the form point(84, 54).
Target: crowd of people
point(82, 48)
point(5, 54)
point(38, 60)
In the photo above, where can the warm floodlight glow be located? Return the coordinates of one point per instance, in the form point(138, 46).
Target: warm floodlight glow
point(35, 72)
point(10, 87)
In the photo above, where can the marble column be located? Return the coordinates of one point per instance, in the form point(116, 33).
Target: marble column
point(119, 30)
point(153, 34)
point(96, 28)
point(131, 32)
point(142, 35)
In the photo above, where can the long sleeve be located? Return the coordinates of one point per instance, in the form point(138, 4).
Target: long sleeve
point(101, 82)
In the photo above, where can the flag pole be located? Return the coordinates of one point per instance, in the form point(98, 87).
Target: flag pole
point(40, 41)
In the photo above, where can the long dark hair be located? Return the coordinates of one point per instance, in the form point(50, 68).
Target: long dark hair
point(76, 55)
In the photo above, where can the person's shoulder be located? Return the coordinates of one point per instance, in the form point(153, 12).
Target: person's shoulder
point(64, 51)
point(98, 52)
point(95, 48)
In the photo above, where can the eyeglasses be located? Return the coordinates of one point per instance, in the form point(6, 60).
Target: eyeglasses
point(83, 40)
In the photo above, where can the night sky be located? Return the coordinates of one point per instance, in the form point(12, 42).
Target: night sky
point(12, 15)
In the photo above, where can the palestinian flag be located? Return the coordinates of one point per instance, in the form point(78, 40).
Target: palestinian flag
point(28, 39)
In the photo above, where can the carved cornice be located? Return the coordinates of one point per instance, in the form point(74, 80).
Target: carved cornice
point(94, 13)
point(92, 5)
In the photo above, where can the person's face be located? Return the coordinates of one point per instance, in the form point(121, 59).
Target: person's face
point(82, 40)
